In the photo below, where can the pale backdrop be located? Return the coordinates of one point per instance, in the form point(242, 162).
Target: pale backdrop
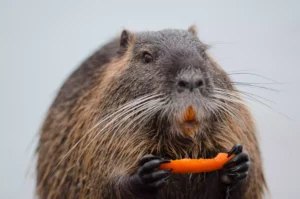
point(41, 42)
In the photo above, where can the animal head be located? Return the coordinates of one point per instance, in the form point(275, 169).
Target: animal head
point(167, 77)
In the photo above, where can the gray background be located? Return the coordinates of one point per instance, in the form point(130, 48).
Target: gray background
point(42, 42)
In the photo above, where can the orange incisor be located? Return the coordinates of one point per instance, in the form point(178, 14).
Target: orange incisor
point(189, 115)
point(189, 127)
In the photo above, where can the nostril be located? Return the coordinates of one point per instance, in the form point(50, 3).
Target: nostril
point(183, 84)
point(199, 83)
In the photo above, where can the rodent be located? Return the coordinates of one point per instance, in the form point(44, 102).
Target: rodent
point(120, 115)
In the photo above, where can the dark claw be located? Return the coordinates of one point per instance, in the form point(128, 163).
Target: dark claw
point(233, 178)
point(242, 175)
point(241, 157)
point(147, 158)
point(160, 183)
point(156, 175)
point(148, 166)
point(237, 176)
point(149, 178)
point(237, 168)
point(236, 149)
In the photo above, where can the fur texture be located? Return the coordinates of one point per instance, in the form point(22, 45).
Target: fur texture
point(89, 145)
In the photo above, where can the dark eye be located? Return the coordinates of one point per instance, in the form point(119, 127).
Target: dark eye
point(147, 57)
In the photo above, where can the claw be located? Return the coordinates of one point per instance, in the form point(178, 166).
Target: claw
point(237, 168)
point(152, 165)
point(238, 159)
point(237, 176)
point(156, 175)
point(147, 158)
point(160, 183)
point(236, 149)
point(240, 168)
point(242, 175)
point(149, 178)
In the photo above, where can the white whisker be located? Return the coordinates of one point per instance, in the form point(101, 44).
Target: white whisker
point(118, 113)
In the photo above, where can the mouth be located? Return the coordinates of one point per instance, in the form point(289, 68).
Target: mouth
point(190, 124)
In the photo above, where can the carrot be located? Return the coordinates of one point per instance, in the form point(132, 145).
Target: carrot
point(197, 165)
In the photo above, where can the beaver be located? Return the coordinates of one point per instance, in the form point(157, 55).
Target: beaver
point(120, 115)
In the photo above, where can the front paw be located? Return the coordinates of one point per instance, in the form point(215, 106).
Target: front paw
point(237, 168)
point(149, 178)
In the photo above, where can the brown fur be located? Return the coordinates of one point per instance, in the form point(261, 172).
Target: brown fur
point(99, 161)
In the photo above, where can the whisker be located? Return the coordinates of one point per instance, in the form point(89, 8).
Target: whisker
point(228, 99)
point(228, 109)
point(232, 111)
point(128, 106)
point(166, 112)
point(145, 118)
point(247, 95)
point(142, 119)
point(254, 95)
point(253, 74)
point(256, 100)
point(259, 83)
point(256, 86)
point(156, 102)
point(120, 123)
point(213, 109)
point(143, 111)
point(252, 98)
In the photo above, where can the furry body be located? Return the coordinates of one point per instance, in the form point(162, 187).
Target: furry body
point(80, 157)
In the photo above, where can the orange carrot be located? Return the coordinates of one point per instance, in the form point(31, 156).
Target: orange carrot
point(197, 165)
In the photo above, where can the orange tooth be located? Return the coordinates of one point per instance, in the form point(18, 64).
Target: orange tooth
point(189, 114)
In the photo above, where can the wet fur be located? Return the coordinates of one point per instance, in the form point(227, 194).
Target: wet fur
point(98, 169)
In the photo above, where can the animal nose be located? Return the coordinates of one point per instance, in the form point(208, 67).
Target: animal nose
point(191, 84)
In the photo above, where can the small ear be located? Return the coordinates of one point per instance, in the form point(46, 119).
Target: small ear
point(125, 38)
point(193, 29)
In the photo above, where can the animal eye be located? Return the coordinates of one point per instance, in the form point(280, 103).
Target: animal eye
point(147, 57)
